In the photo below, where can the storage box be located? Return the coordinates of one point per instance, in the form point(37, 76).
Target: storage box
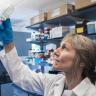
point(84, 3)
point(63, 10)
point(39, 18)
point(91, 28)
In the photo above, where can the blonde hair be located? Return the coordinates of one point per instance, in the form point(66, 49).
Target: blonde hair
point(85, 53)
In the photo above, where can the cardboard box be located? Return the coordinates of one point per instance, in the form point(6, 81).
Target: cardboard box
point(63, 10)
point(39, 18)
point(84, 3)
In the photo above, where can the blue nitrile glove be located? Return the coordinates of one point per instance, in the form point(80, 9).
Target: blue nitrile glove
point(1, 35)
point(1, 30)
point(1, 25)
point(7, 34)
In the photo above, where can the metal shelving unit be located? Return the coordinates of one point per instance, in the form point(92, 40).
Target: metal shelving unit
point(66, 20)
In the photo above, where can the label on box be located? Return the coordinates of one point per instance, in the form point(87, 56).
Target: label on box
point(93, 1)
point(80, 30)
point(56, 12)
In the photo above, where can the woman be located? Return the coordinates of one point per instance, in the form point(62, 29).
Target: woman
point(76, 58)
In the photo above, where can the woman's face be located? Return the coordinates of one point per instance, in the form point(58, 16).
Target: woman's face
point(63, 57)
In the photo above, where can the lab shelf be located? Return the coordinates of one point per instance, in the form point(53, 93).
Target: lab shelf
point(45, 41)
point(66, 20)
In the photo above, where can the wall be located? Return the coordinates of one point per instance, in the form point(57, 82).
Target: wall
point(21, 44)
